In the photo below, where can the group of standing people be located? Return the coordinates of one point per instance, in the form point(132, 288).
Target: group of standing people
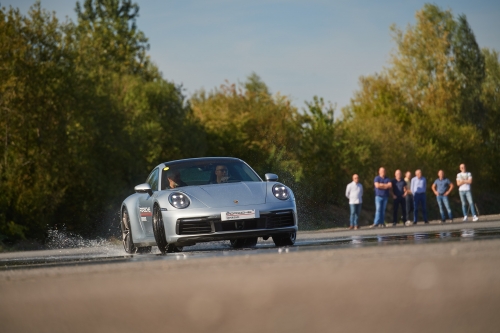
point(410, 194)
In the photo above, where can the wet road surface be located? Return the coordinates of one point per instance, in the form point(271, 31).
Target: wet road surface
point(106, 253)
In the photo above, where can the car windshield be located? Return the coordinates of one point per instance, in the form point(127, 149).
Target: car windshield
point(206, 171)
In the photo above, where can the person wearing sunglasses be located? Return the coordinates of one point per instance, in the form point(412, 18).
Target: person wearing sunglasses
point(221, 174)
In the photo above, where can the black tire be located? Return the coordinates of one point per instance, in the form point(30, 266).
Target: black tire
point(128, 242)
point(159, 230)
point(287, 239)
point(243, 242)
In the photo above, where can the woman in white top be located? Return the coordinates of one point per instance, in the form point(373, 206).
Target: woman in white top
point(354, 192)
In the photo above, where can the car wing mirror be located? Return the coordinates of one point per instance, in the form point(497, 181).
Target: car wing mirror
point(143, 188)
point(271, 177)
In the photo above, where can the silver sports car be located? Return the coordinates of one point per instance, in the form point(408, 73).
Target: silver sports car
point(196, 200)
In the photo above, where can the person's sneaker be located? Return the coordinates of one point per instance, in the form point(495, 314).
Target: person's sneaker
point(408, 223)
point(465, 218)
point(383, 225)
point(451, 220)
point(356, 228)
point(475, 218)
point(373, 226)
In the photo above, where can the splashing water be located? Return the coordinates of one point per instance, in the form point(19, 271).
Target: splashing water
point(62, 239)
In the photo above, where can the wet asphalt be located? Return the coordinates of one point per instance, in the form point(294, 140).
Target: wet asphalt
point(108, 253)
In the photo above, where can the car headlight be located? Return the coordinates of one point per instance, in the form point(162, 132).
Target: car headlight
point(179, 200)
point(281, 192)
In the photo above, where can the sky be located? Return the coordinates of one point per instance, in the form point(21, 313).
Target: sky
point(299, 48)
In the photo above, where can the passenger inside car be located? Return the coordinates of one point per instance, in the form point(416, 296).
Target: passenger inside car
point(174, 179)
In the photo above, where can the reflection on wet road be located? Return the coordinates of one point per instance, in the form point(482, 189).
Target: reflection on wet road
point(108, 253)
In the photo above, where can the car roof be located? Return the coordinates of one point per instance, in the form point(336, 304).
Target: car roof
point(204, 159)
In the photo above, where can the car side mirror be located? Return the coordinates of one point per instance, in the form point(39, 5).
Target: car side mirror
point(143, 188)
point(271, 177)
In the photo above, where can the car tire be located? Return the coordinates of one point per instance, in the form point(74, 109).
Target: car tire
point(243, 242)
point(159, 230)
point(287, 239)
point(127, 240)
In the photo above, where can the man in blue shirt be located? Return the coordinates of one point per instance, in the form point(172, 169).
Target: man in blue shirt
point(382, 186)
point(441, 188)
point(418, 188)
point(398, 194)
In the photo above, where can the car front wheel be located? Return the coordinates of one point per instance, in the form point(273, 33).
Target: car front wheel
point(159, 230)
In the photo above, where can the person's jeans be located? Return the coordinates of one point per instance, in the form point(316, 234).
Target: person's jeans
point(419, 198)
point(399, 202)
point(380, 206)
point(467, 195)
point(355, 210)
point(443, 200)
point(409, 205)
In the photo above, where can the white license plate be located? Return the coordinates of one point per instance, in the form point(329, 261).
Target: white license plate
point(239, 215)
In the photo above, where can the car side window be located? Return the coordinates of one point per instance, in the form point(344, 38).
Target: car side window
point(153, 180)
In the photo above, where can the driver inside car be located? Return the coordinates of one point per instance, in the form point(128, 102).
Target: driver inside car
point(221, 174)
point(174, 179)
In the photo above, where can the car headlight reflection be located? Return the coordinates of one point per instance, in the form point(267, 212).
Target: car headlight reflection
point(281, 192)
point(179, 200)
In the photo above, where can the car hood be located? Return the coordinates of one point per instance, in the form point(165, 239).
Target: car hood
point(225, 195)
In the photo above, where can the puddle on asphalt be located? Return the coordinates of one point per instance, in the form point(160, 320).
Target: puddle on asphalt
point(415, 237)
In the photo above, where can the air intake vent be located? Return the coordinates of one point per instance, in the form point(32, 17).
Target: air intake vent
point(279, 219)
point(193, 227)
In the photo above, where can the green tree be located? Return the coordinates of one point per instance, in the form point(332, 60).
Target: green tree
point(36, 70)
point(249, 123)
point(107, 36)
point(490, 99)
point(84, 117)
point(470, 68)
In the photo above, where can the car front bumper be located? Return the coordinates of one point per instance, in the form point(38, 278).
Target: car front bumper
point(187, 227)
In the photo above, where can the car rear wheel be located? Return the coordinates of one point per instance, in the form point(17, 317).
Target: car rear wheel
point(287, 239)
point(243, 242)
point(128, 243)
point(159, 230)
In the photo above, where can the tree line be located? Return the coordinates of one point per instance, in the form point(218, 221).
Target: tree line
point(85, 115)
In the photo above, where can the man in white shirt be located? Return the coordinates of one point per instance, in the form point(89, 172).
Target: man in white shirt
point(354, 192)
point(464, 180)
point(418, 188)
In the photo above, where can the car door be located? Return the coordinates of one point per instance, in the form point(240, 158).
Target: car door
point(146, 203)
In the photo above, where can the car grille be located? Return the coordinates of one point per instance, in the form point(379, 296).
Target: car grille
point(207, 225)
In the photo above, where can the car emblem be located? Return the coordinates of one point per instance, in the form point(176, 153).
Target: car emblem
point(235, 201)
